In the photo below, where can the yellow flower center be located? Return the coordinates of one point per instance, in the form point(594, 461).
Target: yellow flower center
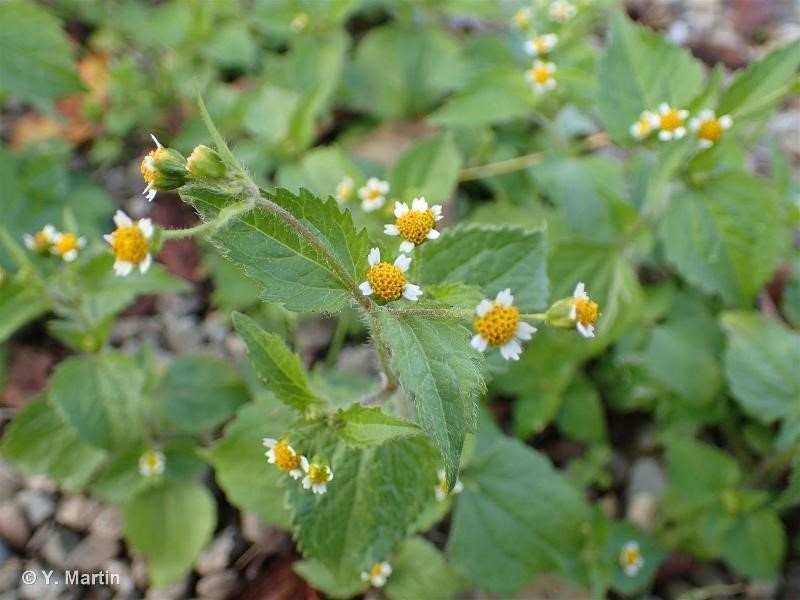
point(387, 281)
point(344, 190)
point(129, 244)
point(541, 45)
point(710, 130)
point(499, 325)
point(373, 194)
point(671, 120)
point(151, 459)
point(147, 168)
point(630, 556)
point(415, 225)
point(376, 570)
point(66, 243)
point(522, 17)
point(586, 311)
point(285, 458)
point(644, 125)
point(40, 239)
point(318, 474)
point(540, 75)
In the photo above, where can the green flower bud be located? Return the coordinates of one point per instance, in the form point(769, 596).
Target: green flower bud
point(205, 163)
point(558, 315)
point(162, 169)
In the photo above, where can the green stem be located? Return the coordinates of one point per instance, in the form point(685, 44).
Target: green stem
point(211, 227)
point(501, 167)
point(533, 316)
point(772, 465)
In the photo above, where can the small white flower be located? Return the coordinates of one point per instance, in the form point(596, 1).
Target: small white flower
point(283, 456)
point(540, 76)
point(317, 476)
point(151, 463)
point(541, 45)
point(388, 281)
point(441, 489)
point(630, 558)
point(644, 126)
point(498, 324)
point(40, 240)
point(130, 244)
point(66, 245)
point(522, 18)
point(415, 224)
point(148, 170)
point(344, 189)
point(670, 122)
point(373, 194)
point(562, 11)
point(378, 574)
point(583, 311)
point(709, 128)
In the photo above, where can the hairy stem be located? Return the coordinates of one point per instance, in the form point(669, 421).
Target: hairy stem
point(211, 227)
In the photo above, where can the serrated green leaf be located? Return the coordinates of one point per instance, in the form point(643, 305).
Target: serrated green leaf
point(492, 258)
point(421, 571)
point(761, 360)
point(639, 70)
point(35, 58)
point(170, 524)
point(321, 578)
point(699, 472)
point(516, 517)
point(275, 363)
point(292, 271)
point(442, 372)
point(370, 505)
point(200, 392)
point(240, 467)
point(428, 169)
point(725, 237)
point(102, 398)
point(763, 84)
point(40, 443)
point(20, 303)
point(755, 546)
point(370, 426)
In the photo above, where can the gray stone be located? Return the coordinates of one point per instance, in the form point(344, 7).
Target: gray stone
point(10, 481)
point(126, 588)
point(93, 552)
point(176, 591)
point(37, 505)
point(761, 590)
point(646, 476)
point(76, 511)
point(14, 528)
point(139, 571)
point(58, 545)
point(107, 523)
point(270, 540)
point(10, 572)
point(182, 334)
point(218, 586)
point(39, 589)
point(217, 554)
point(41, 483)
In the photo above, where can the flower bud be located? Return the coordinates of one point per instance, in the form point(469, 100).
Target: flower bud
point(162, 169)
point(205, 163)
point(558, 315)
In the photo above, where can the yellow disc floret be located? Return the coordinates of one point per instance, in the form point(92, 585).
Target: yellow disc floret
point(66, 243)
point(387, 281)
point(671, 120)
point(586, 311)
point(710, 130)
point(147, 168)
point(540, 75)
point(498, 325)
point(129, 244)
point(319, 474)
point(286, 459)
point(414, 226)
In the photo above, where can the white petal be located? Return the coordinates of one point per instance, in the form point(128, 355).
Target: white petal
point(109, 237)
point(436, 209)
point(386, 568)
point(419, 204)
point(573, 311)
point(525, 330)
point(440, 473)
point(306, 482)
point(121, 219)
point(295, 474)
point(433, 235)
point(479, 342)
point(71, 255)
point(366, 288)
point(683, 113)
point(330, 475)
point(705, 115)
point(665, 136)
point(122, 267)
point(412, 292)
point(269, 442)
point(483, 308)
point(406, 246)
point(270, 454)
point(390, 230)
point(402, 262)
point(156, 141)
point(150, 195)
point(580, 291)
point(81, 242)
point(705, 143)
point(373, 205)
point(383, 187)
point(458, 487)
point(586, 331)
point(680, 132)
point(374, 257)
point(725, 121)
point(440, 495)
point(304, 464)
point(530, 48)
point(49, 231)
point(631, 570)
point(400, 209)
point(144, 266)
point(511, 350)
point(694, 124)
point(663, 108)
point(29, 241)
point(146, 227)
point(378, 581)
point(505, 298)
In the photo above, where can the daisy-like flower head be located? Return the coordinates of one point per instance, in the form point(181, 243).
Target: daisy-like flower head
point(415, 224)
point(66, 245)
point(317, 476)
point(498, 324)
point(344, 189)
point(522, 18)
point(162, 169)
point(130, 244)
point(644, 126)
point(388, 281)
point(540, 76)
point(541, 44)
point(205, 163)
point(630, 558)
point(152, 463)
point(378, 574)
point(283, 456)
point(299, 22)
point(441, 487)
point(561, 11)
point(709, 128)
point(583, 311)
point(373, 194)
point(40, 240)
point(670, 122)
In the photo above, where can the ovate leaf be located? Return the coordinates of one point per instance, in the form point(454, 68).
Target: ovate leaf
point(101, 397)
point(492, 258)
point(370, 426)
point(421, 571)
point(441, 371)
point(19, 304)
point(755, 545)
point(170, 524)
point(276, 364)
point(292, 270)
